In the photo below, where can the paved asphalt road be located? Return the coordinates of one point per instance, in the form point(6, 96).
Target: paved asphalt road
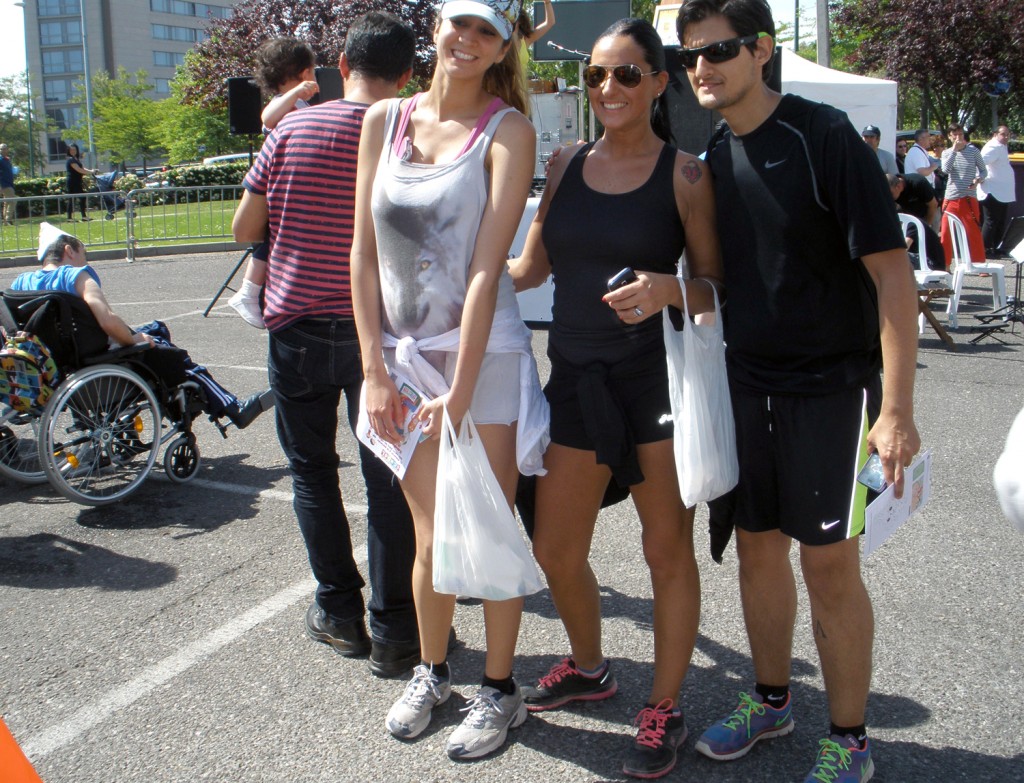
point(162, 639)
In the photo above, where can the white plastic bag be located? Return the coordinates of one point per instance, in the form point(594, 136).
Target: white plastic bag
point(479, 550)
point(704, 438)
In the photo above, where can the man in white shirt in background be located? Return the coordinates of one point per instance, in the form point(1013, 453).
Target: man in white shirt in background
point(998, 191)
point(918, 161)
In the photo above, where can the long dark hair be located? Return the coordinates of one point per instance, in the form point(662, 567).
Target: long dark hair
point(646, 37)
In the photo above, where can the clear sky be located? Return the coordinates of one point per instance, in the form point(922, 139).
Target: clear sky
point(12, 53)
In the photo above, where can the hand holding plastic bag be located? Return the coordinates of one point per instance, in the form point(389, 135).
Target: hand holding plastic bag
point(479, 550)
point(704, 439)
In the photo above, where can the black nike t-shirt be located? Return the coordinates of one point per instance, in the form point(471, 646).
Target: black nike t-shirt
point(800, 200)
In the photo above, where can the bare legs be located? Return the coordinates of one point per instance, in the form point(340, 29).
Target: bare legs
point(568, 500)
point(841, 616)
point(434, 611)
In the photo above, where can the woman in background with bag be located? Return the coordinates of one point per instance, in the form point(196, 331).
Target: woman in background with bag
point(442, 180)
point(630, 199)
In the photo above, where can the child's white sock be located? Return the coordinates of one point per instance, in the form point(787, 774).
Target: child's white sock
point(250, 290)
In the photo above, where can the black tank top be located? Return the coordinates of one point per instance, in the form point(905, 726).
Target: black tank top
point(589, 236)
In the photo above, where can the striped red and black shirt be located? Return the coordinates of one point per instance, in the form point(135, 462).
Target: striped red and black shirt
point(307, 171)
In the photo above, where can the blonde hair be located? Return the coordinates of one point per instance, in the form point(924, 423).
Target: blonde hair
point(505, 79)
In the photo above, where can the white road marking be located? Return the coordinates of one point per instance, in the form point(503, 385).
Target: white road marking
point(64, 733)
point(151, 678)
point(159, 302)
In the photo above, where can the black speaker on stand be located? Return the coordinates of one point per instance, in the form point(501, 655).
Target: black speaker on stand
point(245, 105)
point(332, 86)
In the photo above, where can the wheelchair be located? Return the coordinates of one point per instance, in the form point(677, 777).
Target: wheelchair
point(99, 435)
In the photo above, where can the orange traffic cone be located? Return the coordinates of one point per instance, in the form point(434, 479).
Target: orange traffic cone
point(15, 767)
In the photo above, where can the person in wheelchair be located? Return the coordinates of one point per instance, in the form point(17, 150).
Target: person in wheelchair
point(65, 268)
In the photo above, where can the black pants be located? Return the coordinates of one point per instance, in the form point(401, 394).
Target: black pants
point(76, 197)
point(994, 225)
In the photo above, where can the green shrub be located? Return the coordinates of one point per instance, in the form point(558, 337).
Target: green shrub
point(195, 176)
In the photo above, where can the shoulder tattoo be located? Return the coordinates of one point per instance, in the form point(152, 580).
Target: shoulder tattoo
point(691, 171)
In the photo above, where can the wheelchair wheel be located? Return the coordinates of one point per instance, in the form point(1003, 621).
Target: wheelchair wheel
point(99, 435)
point(182, 459)
point(19, 447)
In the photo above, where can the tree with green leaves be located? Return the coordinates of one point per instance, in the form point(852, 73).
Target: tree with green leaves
point(190, 132)
point(124, 119)
point(323, 24)
point(14, 125)
point(948, 49)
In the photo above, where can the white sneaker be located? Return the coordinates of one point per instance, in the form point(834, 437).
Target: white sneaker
point(410, 715)
point(491, 714)
point(249, 308)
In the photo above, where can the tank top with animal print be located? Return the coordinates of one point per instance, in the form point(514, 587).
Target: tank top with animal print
point(426, 217)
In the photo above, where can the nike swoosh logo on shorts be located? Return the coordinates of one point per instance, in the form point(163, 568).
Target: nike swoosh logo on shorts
point(769, 164)
point(829, 525)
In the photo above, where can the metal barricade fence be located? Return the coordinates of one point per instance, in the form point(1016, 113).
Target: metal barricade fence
point(168, 216)
point(146, 217)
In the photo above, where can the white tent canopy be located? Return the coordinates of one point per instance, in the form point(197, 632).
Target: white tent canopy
point(865, 100)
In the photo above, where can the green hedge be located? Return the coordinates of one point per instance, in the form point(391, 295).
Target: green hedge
point(183, 177)
point(197, 176)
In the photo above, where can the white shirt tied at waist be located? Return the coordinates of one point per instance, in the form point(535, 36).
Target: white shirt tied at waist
point(508, 335)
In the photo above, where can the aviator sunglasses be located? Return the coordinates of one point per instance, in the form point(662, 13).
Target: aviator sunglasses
point(719, 52)
point(626, 75)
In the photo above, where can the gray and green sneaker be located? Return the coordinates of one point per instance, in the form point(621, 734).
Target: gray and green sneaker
point(842, 760)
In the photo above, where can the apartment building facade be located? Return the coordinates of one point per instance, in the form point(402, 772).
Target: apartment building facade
point(66, 39)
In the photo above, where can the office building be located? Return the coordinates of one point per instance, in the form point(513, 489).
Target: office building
point(61, 43)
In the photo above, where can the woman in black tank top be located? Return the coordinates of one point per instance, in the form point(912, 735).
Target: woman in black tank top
point(630, 199)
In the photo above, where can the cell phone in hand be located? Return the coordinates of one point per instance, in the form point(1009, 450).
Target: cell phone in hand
point(871, 475)
point(624, 277)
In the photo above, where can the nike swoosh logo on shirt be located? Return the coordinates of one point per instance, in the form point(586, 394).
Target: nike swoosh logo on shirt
point(770, 164)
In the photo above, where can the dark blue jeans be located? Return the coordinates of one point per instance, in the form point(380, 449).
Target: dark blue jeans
point(311, 364)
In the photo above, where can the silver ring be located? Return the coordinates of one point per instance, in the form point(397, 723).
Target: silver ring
point(638, 312)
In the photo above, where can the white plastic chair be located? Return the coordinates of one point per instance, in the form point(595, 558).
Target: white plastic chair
point(924, 275)
point(964, 265)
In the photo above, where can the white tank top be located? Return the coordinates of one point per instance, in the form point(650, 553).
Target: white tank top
point(426, 217)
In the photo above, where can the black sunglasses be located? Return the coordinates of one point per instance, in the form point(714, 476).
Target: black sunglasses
point(626, 75)
point(719, 52)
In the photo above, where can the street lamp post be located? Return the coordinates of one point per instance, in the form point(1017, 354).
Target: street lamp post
point(28, 89)
point(88, 86)
point(824, 41)
point(796, 26)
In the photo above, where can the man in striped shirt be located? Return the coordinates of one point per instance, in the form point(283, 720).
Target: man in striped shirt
point(303, 183)
point(963, 164)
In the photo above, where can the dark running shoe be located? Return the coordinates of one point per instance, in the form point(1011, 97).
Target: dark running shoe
point(565, 683)
point(348, 639)
point(395, 660)
point(247, 410)
point(659, 734)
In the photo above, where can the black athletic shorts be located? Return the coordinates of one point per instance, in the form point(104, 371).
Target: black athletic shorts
point(799, 458)
point(641, 390)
